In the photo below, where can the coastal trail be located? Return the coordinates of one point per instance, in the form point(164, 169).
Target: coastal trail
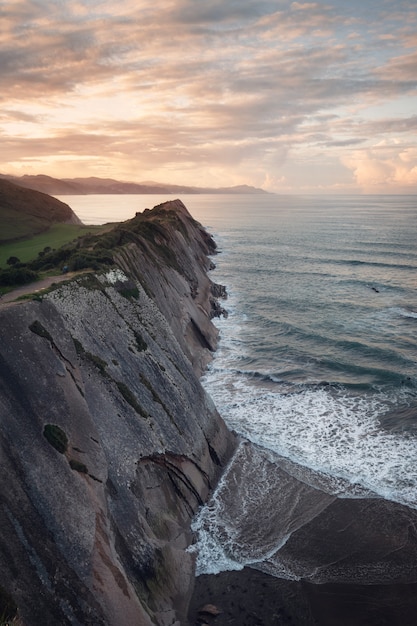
point(36, 287)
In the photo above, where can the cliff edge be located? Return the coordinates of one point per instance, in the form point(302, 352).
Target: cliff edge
point(109, 443)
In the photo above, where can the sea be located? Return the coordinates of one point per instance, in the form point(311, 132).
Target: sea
point(317, 360)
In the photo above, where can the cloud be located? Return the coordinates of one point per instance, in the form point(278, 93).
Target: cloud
point(384, 166)
point(19, 116)
point(401, 69)
point(218, 12)
point(241, 87)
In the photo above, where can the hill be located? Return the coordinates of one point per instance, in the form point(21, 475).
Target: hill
point(94, 185)
point(24, 212)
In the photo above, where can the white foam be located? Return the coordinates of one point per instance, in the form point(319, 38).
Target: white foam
point(404, 312)
point(334, 433)
point(334, 436)
point(334, 444)
point(211, 557)
point(212, 537)
point(228, 534)
point(327, 430)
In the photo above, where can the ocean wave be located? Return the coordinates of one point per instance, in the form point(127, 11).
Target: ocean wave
point(260, 501)
point(374, 264)
point(402, 312)
point(316, 363)
point(329, 430)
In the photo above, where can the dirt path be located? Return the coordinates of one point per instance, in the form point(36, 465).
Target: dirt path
point(36, 287)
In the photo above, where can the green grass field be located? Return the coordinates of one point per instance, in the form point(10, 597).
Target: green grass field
point(15, 224)
point(57, 236)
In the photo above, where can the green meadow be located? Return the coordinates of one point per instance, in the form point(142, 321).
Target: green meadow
point(57, 236)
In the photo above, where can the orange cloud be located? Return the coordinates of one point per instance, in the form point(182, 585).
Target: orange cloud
point(196, 89)
point(384, 166)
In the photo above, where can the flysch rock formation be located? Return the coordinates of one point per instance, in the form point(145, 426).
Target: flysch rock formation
point(326, 552)
point(109, 443)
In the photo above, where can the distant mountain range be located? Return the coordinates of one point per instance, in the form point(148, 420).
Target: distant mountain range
point(94, 185)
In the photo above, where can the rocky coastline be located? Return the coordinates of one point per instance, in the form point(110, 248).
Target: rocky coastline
point(109, 443)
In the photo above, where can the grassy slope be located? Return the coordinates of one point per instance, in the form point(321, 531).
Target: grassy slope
point(15, 225)
point(93, 248)
point(30, 221)
point(55, 237)
point(25, 212)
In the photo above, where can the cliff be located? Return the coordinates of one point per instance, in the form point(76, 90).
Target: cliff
point(109, 443)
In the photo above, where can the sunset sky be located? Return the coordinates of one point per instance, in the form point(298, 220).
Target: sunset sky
point(294, 97)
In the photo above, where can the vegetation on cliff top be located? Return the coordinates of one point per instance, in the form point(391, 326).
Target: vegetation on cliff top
point(31, 223)
point(57, 236)
point(95, 251)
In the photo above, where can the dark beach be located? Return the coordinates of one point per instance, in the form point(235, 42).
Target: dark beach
point(251, 598)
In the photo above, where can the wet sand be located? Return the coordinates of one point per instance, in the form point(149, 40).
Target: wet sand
point(251, 598)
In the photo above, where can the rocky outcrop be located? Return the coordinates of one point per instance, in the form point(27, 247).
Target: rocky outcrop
point(109, 443)
point(333, 552)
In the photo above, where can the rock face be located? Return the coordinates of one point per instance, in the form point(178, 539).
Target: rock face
point(108, 441)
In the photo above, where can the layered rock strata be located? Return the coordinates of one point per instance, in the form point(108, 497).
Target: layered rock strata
point(335, 553)
point(109, 443)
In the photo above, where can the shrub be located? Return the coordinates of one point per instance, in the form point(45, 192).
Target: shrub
point(56, 437)
point(56, 258)
point(78, 466)
point(37, 328)
point(78, 346)
point(129, 293)
point(109, 240)
point(17, 276)
point(93, 358)
point(140, 342)
point(97, 361)
point(130, 398)
point(78, 262)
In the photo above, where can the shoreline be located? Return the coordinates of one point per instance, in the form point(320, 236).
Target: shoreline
point(349, 561)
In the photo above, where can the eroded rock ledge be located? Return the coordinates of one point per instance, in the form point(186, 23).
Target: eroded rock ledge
point(108, 441)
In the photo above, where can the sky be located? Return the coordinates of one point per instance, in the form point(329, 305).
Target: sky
point(293, 97)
